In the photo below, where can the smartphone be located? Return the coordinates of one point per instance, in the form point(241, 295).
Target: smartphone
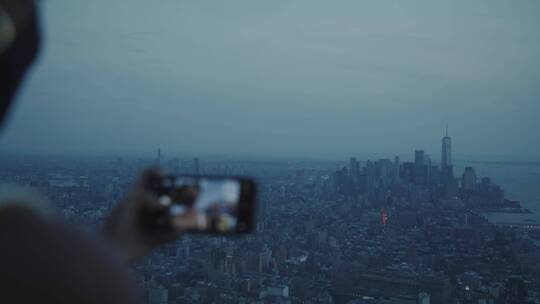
point(211, 204)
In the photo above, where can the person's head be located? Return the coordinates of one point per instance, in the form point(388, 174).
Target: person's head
point(19, 45)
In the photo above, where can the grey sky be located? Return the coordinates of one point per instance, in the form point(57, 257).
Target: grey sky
point(315, 78)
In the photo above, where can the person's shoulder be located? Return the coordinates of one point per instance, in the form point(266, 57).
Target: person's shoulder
point(44, 259)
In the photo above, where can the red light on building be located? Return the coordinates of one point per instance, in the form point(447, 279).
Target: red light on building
point(384, 217)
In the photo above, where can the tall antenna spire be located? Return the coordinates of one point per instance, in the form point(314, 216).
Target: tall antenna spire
point(447, 129)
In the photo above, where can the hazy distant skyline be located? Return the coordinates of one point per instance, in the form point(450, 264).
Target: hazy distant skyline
point(282, 78)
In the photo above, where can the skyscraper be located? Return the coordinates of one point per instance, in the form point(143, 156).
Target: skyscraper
point(419, 157)
point(468, 181)
point(446, 158)
point(396, 172)
point(427, 168)
point(419, 164)
point(354, 169)
point(385, 172)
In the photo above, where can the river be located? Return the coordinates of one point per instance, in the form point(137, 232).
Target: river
point(520, 181)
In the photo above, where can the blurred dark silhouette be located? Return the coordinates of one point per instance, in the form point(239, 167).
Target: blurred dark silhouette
point(42, 260)
point(19, 44)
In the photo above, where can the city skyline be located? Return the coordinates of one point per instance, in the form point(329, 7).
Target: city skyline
point(446, 158)
point(399, 235)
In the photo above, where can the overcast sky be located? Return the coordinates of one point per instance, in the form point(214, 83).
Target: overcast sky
point(282, 78)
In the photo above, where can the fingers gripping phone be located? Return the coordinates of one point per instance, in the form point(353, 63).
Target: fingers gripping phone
point(206, 203)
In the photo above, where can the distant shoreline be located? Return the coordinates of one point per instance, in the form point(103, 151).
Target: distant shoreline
point(505, 163)
point(512, 218)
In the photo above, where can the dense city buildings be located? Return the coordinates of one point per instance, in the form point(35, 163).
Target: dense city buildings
point(370, 232)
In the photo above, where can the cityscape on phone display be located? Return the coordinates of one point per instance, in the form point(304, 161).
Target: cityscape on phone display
point(210, 204)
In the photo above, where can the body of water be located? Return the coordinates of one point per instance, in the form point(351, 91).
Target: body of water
point(520, 181)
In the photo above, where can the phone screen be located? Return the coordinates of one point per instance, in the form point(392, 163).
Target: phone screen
point(210, 204)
